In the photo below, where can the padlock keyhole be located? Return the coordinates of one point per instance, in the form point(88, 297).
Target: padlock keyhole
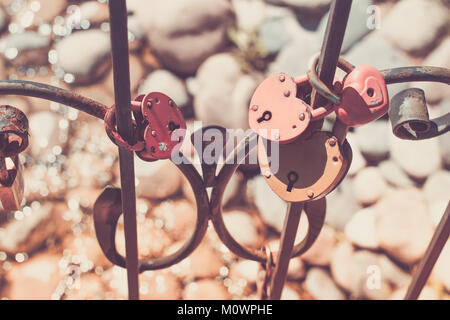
point(292, 178)
point(370, 92)
point(266, 116)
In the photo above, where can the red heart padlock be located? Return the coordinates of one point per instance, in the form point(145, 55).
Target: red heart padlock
point(364, 96)
point(275, 112)
point(166, 126)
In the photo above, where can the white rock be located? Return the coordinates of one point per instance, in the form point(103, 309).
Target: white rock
point(156, 180)
point(223, 92)
point(369, 185)
point(46, 132)
point(419, 159)
point(361, 229)
point(373, 139)
point(196, 30)
point(415, 25)
point(242, 227)
point(166, 82)
point(436, 190)
point(269, 205)
point(319, 284)
point(93, 62)
point(403, 225)
point(394, 174)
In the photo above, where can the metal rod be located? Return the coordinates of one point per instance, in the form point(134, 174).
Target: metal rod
point(288, 234)
point(121, 70)
point(428, 261)
point(331, 47)
point(48, 92)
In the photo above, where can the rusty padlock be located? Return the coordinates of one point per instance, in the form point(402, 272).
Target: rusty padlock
point(166, 127)
point(11, 188)
point(308, 169)
point(13, 140)
point(275, 112)
point(364, 96)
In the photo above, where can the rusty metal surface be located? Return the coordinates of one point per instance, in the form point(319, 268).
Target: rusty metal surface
point(409, 117)
point(301, 177)
point(48, 92)
point(121, 74)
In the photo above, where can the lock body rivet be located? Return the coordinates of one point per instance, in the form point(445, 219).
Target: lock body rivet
point(254, 108)
point(282, 78)
point(310, 193)
point(287, 93)
point(302, 117)
point(267, 174)
point(332, 142)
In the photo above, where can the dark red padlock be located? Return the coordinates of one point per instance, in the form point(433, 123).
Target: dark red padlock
point(166, 126)
point(275, 112)
point(364, 96)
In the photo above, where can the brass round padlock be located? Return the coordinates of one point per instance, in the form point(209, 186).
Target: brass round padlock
point(308, 169)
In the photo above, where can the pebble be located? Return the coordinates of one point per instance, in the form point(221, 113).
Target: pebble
point(309, 6)
point(293, 59)
point(241, 226)
point(245, 269)
point(204, 262)
point(205, 290)
point(269, 205)
point(321, 251)
point(224, 100)
point(419, 159)
point(137, 73)
point(48, 10)
point(200, 25)
point(168, 83)
point(365, 274)
point(91, 288)
point(159, 285)
point(178, 217)
point(358, 160)
point(436, 190)
point(341, 205)
point(394, 175)
point(87, 248)
point(373, 140)
point(289, 293)
point(296, 269)
point(369, 185)
point(156, 180)
point(32, 228)
point(35, 279)
point(403, 225)
point(28, 48)
point(87, 169)
point(360, 230)
point(320, 286)
point(90, 65)
point(415, 25)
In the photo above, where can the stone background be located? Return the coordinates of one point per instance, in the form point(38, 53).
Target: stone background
point(209, 55)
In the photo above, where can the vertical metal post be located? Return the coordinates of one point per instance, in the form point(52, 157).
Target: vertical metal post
point(329, 56)
point(290, 227)
point(121, 72)
point(428, 261)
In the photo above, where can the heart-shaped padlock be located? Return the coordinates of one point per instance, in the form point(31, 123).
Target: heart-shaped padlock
point(275, 112)
point(364, 96)
point(166, 126)
point(300, 176)
point(11, 190)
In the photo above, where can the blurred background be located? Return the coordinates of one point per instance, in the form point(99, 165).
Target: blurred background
point(209, 56)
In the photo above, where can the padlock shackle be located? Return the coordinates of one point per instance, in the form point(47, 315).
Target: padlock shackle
point(410, 74)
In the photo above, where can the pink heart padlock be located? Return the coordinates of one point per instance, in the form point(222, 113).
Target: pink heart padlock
point(275, 112)
point(364, 96)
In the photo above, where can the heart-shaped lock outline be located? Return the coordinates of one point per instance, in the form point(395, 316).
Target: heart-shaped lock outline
point(293, 116)
point(155, 149)
point(334, 169)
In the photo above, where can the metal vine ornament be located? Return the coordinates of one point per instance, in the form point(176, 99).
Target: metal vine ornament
point(284, 110)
